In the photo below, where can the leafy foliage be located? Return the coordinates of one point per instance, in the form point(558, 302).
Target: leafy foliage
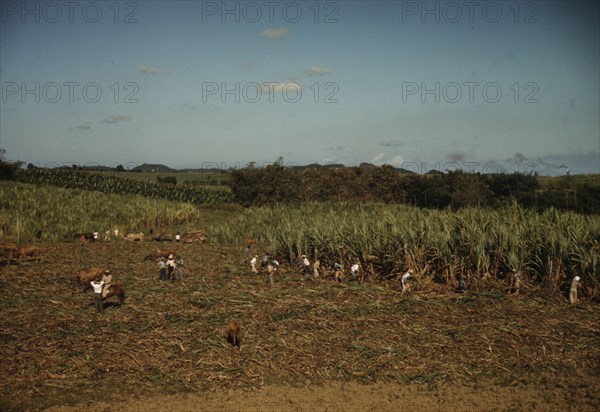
point(276, 184)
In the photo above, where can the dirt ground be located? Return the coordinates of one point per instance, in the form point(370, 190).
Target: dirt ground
point(342, 397)
point(308, 344)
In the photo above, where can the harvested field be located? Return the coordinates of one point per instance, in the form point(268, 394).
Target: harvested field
point(304, 342)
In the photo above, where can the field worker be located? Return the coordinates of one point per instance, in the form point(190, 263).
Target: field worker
point(171, 267)
point(264, 261)
point(107, 236)
point(405, 280)
point(97, 286)
point(246, 253)
point(515, 282)
point(163, 269)
point(270, 269)
point(354, 270)
point(116, 232)
point(177, 237)
point(339, 270)
point(95, 235)
point(253, 264)
point(461, 284)
point(316, 267)
point(179, 268)
point(107, 280)
point(304, 264)
point(573, 291)
point(81, 242)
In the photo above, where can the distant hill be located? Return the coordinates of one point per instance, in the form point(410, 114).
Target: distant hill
point(318, 166)
point(161, 168)
point(151, 167)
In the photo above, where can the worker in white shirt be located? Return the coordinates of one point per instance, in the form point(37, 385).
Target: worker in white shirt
point(304, 264)
point(354, 270)
point(271, 268)
point(253, 264)
point(405, 280)
point(97, 286)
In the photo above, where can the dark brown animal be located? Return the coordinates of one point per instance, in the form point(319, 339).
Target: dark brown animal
point(234, 334)
point(160, 253)
point(87, 236)
point(118, 291)
point(163, 237)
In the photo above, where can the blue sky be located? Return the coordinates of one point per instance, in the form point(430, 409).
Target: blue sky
point(193, 83)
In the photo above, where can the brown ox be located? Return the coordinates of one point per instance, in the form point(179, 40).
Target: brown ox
point(28, 253)
point(135, 236)
point(84, 277)
point(194, 236)
point(9, 249)
point(87, 236)
point(234, 332)
point(118, 291)
point(249, 241)
point(160, 253)
point(163, 237)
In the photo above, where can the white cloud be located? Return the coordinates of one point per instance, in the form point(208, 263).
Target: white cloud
point(151, 70)
point(380, 160)
point(116, 118)
point(275, 33)
point(318, 71)
point(396, 161)
point(377, 160)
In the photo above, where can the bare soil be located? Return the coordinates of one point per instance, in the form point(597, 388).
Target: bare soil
point(307, 344)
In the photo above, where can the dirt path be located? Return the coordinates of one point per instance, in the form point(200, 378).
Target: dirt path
point(381, 397)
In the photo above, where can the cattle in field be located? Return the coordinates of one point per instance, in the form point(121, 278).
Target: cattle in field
point(89, 236)
point(234, 334)
point(13, 253)
point(28, 253)
point(116, 290)
point(8, 247)
point(85, 276)
point(164, 253)
point(162, 237)
point(194, 236)
point(249, 241)
point(8, 251)
point(135, 237)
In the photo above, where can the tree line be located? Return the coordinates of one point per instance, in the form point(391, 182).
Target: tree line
point(277, 184)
